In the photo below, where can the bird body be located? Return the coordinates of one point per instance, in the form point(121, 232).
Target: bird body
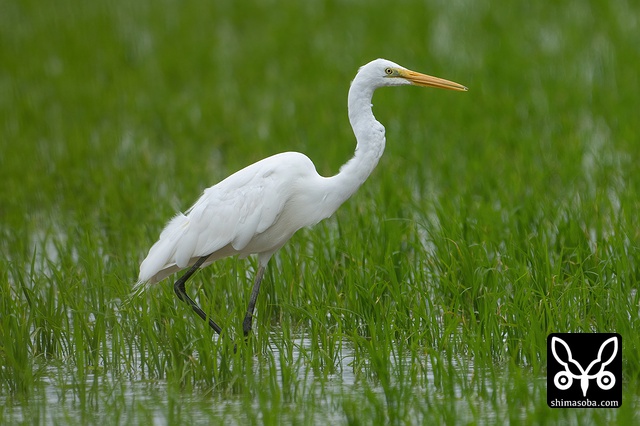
point(257, 209)
point(253, 211)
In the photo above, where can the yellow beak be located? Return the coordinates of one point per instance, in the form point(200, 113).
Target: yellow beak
point(429, 81)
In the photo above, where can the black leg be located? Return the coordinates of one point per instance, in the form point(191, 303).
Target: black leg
point(178, 287)
point(246, 324)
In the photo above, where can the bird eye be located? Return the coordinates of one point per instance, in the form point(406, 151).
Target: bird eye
point(388, 71)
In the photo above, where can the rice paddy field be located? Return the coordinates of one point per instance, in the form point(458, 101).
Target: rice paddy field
point(495, 217)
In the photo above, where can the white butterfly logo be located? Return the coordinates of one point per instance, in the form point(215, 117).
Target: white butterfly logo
point(564, 379)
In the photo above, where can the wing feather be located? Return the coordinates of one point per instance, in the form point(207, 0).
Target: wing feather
point(227, 216)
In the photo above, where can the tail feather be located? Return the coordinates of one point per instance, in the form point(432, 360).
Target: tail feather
point(162, 254)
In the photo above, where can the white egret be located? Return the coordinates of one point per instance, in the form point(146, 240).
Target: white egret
point(257, 209)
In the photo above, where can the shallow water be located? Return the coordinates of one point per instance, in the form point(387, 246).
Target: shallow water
point(124, 398)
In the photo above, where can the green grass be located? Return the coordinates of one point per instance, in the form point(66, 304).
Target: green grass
point(495, 217)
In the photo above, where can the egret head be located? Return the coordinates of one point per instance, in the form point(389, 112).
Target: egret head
point(381, 72)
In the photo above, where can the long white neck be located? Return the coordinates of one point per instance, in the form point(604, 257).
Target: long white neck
point(370, 142)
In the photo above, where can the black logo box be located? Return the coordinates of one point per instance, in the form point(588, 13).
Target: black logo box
point(584, 370)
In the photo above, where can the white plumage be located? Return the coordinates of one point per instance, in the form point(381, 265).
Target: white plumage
point(257, 209)
point(248, 212)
